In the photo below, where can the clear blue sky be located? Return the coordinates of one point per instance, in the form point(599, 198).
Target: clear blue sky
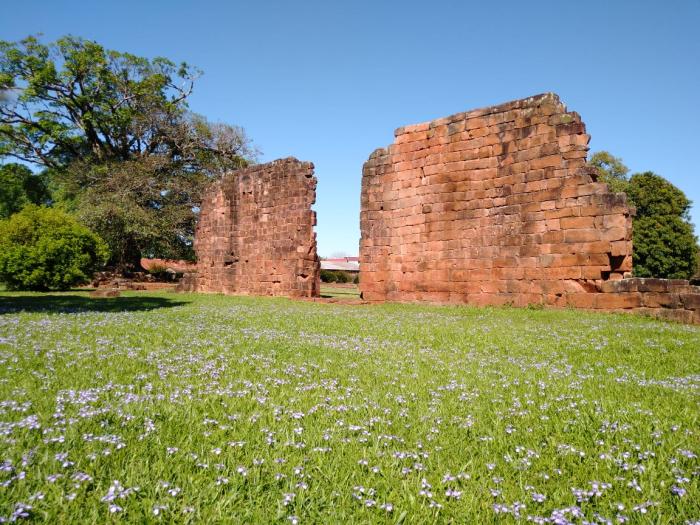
point(328, 81)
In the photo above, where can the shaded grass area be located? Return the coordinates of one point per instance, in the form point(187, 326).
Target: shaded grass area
point(68, 302)
point(183, 408)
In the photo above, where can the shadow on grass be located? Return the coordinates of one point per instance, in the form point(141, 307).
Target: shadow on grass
point(67, 303)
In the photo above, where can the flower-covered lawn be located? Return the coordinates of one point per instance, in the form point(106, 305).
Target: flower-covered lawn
point(159, 407)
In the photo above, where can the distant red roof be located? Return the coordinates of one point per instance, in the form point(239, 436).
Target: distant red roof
point(348, 264)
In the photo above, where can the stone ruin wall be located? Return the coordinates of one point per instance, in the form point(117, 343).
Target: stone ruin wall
point(491, 206)
point(497, 206)
point(255, 233)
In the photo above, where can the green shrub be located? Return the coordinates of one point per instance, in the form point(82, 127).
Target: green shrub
point(328, 276)
point(337, 276)
point(343, 277)
point(19, 187)
point(47, 249)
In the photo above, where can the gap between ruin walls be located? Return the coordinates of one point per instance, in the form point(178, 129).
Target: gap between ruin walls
point(497, 206)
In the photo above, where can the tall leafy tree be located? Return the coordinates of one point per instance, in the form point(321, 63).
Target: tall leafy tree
point(611, 169)
point(663, 237)
point(19, 187)
point(73, 98)
point(140, 207)
point(98, 120)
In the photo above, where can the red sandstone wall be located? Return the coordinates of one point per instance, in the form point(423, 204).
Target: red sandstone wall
point(255, 233)
point(491, 206)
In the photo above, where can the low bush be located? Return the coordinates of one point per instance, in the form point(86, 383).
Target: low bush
point(328, 276)
point(47, 249)
point(338, 276)
point(342, 277)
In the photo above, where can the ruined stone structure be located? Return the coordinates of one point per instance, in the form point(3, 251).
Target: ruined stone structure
point(671, 299)
point(497, 206)
point(490, 206)
point(256, 233)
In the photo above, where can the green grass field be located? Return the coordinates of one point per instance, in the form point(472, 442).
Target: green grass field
point(340, 292)
point(159, 407)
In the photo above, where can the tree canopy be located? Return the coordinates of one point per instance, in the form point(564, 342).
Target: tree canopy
point(73, 98)
point(114, 134)
point(663, 238)
point(611, 169)
point(651, 194)
point(19, 187)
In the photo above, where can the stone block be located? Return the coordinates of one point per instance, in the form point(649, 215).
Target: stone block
point(615, 301)
point(675, 315)
point(661, 300)
point(568, 223)
point(691, 301)
point(651, 285)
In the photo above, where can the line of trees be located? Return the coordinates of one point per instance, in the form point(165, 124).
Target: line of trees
point(339, 276)
point(111, 141)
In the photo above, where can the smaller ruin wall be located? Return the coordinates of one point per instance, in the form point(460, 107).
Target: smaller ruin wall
point(670, 299)
point(255, 234)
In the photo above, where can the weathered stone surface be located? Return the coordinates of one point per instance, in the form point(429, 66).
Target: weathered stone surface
point(670, 299)
point(491, 206)
point(255, 233)
point(496, 206)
